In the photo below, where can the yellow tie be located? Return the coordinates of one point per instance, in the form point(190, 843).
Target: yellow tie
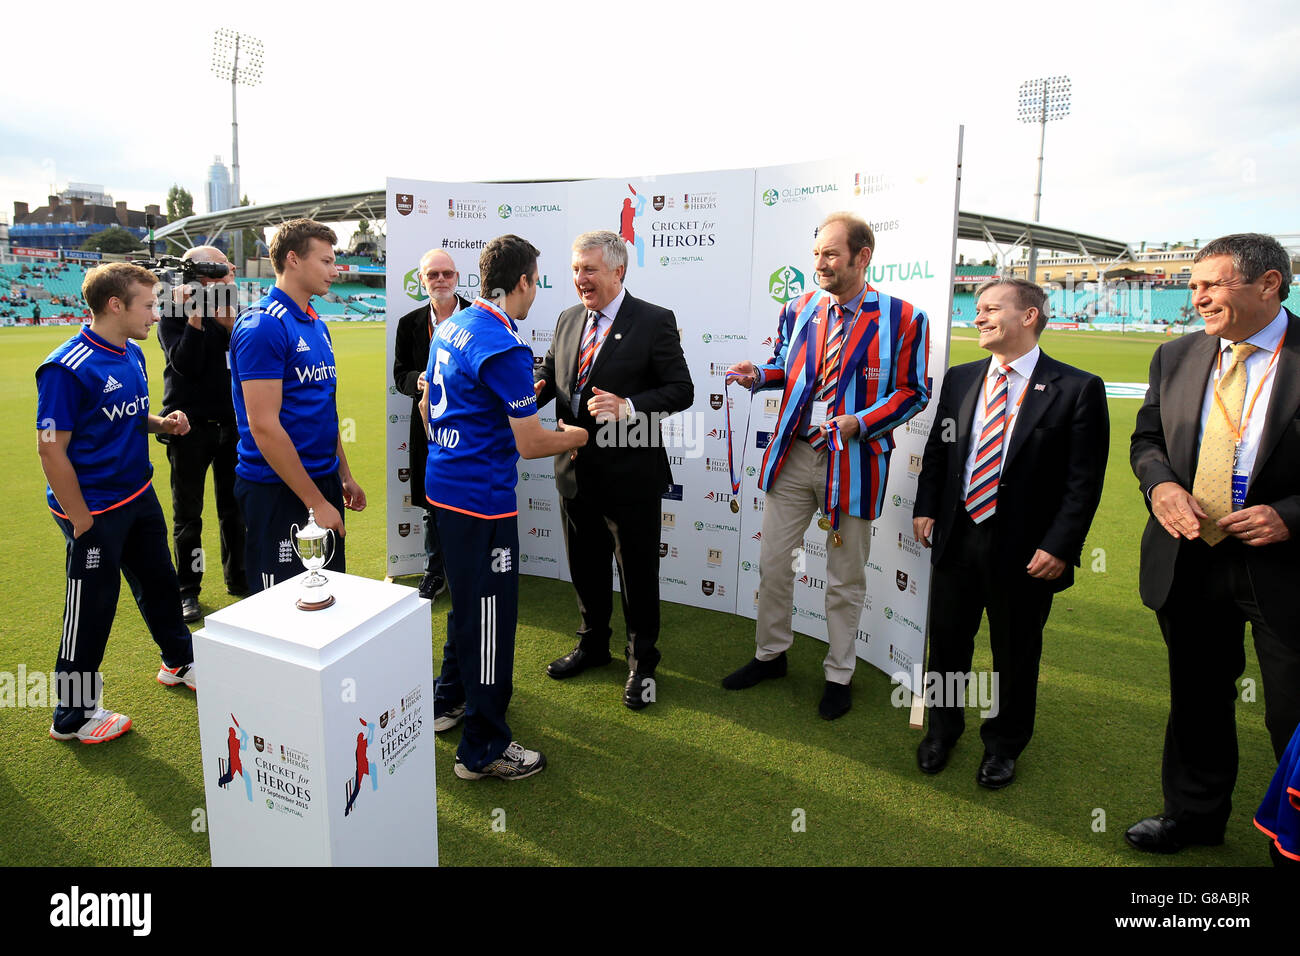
point(1213, 484)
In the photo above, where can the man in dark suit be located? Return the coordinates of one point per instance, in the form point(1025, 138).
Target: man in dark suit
point(1009, 484)
point(1217, 454)
point(615, 367)
point(439, 277)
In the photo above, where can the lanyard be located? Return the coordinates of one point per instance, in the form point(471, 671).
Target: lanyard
point(1237, 431)
point(839, 359)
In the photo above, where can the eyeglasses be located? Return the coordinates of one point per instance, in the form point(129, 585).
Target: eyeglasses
point(445, 274)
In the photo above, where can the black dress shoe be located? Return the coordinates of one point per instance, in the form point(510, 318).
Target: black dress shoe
point(639, 691)
point(836, 701)
point(932, 754)
point(755, 671)
point(190, 610)
point(239, 589)
point(996, 772)
point(575, 662)
point(1162, 834)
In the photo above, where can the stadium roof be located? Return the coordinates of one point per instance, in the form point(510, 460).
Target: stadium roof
point(372, 206)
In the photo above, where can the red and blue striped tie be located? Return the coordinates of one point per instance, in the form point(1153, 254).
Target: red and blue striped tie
point(587, 354)
point(830, 371)
point(982, 498)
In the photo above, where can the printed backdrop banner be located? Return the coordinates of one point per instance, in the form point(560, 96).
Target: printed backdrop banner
point(724, 250)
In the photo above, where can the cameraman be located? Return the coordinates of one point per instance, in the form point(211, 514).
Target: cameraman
point(195, 338)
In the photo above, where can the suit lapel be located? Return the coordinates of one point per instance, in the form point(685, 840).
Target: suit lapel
point(1285, 400)
point(815, 343)
point(1035, 403)
point(621, 325)
point(1180, 404)
point(966, 411)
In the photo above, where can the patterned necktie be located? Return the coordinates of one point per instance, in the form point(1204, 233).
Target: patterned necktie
point(982, 497)
point(1213, 484)
point(587, 354)
point(830, 373)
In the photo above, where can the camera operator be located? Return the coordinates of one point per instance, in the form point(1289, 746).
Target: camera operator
point(195, 338)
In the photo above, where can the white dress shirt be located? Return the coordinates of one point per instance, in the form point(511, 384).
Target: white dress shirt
point(1018, 377)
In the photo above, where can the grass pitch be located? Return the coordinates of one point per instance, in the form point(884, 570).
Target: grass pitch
point(704, 776)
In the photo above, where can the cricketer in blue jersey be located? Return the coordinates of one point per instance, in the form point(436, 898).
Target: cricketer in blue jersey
point(284, 381)
point(93, 419)
point(480, 409)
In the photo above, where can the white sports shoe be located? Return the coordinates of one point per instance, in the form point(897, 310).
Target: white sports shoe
point(103, 726)
point(172, 676)
point(515, 764)
point(449, 720)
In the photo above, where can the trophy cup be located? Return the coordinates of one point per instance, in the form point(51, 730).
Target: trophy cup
point(309, 545)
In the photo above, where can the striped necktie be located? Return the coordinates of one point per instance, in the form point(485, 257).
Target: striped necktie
point(587, 354)
point(982, 497)
point(1212, 486)
point(830, 374)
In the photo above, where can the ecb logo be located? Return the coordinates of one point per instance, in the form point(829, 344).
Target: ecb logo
point(770, 197)
point(411, 285)
point(504, 210)
point(785, 283)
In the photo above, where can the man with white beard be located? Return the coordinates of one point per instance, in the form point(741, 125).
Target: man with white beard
point(439, 277)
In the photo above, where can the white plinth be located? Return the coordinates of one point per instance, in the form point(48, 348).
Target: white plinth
point(299, 684)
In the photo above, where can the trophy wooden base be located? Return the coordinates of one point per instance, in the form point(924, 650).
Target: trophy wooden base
point(314, 605)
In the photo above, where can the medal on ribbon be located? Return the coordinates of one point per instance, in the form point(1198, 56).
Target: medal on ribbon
point(835, 446)
point(733, 467)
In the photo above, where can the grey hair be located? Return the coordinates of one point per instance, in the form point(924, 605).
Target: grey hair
point(1252, 255)
point(1029, 295)
point(611, 244)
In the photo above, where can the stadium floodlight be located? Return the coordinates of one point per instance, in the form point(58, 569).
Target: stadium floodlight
point(1042, 101)
point(227, 45)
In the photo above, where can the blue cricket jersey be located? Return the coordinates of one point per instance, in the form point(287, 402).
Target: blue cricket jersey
point(100, 393)
point(277, 340)
point(480, 374)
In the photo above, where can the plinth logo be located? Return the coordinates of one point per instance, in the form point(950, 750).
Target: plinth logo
point(364, 766)
point(785, 283)
point(405, 203)
point(236, 743)
point(404, 528)
point(658, 203)
point(900, 579)
point(715, 401)
point(503, 210)
point(707, 587)
point(403, 474)
point(770, 197)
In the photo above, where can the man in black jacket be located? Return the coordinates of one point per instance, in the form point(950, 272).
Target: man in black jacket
point(194, 333)
point(614, 359)
point(1009, 484)
point(439, 277)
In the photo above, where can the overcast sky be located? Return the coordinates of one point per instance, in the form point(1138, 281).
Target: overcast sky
point(1185, 117)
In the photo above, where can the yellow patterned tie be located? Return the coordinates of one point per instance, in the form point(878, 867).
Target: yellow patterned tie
point(1213, 484)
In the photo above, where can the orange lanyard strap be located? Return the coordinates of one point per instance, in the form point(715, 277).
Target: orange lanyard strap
point(1237, 431)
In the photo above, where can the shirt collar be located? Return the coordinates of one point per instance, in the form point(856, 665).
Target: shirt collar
point(611, 311)
point(433, 316)
point(1266, 339)
point(279, 295)
point(1023, 366)
point(102, 342)
point(851, 307)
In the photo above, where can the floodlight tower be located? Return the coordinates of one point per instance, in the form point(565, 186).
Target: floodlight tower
point(226, 48)
point(1041, 101)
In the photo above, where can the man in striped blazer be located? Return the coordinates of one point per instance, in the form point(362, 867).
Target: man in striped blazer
point(850, 362)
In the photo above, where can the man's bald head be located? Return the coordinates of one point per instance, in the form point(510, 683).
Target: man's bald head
point(205, 254)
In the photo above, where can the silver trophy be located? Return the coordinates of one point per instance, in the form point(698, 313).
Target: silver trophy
point(309, 545)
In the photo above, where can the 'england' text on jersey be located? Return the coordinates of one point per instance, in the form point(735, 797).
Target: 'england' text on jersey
point(446, 437)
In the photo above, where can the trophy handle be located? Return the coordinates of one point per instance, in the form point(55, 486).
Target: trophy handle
point(330, 555)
